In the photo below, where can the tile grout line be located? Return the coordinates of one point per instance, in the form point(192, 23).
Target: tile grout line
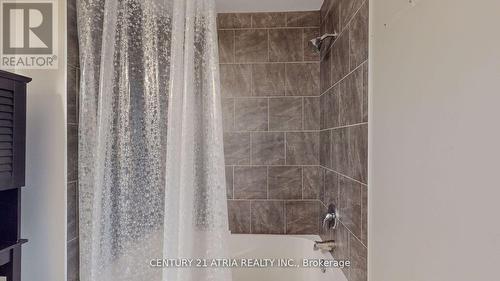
point(250, 150)
point(340, 220)
point(234, 46)
point(267, 183)
point(348, 27)
point(234, 114)
point(303, 115)
point(284, 144)
point(345, 28)
point(284, 215)
point(268, 45)
point(232, 169)
point(271, 97)
point(268, 28)
point(302, 189)
point(270, 62)
point(345, 126)
point(291, 131)
point(268, 115)
point(251, 135)
point(274, 200)
point(345, 176)
point(342, 79)
point(273, 165)
point(251, 216)
point(303, 46)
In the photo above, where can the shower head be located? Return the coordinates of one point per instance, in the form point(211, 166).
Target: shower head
point(318, 41)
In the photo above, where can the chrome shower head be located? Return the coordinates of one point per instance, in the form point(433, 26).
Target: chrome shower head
point(318, 41)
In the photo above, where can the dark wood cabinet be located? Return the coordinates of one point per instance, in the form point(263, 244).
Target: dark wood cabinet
point(12, 171)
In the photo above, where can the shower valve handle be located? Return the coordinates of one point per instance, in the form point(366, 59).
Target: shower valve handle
point(331, 217)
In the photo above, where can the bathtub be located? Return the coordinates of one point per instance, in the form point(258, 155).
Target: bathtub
point(280, 247)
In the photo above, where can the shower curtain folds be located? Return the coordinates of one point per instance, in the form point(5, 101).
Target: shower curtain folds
point(151, 164)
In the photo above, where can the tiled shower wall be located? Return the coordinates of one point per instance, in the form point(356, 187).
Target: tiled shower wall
point(344, 129)
point(73, 69)
point(270, 79)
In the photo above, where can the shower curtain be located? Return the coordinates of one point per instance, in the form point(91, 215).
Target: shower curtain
point(151, 166)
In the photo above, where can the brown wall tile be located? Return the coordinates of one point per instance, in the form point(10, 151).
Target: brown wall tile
point(351, 99)
point(350, 204)
point(237, 148)
point(302, 148)
point(239, 216)
point(311, 113)
point(312, 182)
point(344, 113)
point(268, 79)
point(72, 33)
point(330, 108)
point(285, 182)
point(347, 10)
point(340, 58)
point(325, 70)
point(228, 114)
point(358, 36)
point(325, 7)
point(73, 260)
point(251, 114)
point(310, 53)
point(303, 19)
point(229, 182)
point(268, 217)
point(72, 91)
point(364, 215)
point(236, 80)
point(72, 107)
point(72, 155)
point(72, 211)
point(341, 252)
point(301, 217)
point(331, 17)
point(226, 46)
point(251, 45)
point(340, 152)
point(358, 256)
point(365, 92)
point(285, 114)
point(260, 20)
point(331, 189)
point(285, 45)
point(302, 79)
point(325, 149)
point(358, 152)
point(246, 119)
point(232, 20)
point(268, 148)
point(250, 182)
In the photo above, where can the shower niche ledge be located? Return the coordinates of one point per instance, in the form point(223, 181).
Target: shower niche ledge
point(12, 171)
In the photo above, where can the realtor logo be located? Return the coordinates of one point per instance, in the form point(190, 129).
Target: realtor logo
point(28, 35)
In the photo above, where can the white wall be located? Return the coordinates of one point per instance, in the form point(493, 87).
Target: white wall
point(44, 197)
point(435, 141)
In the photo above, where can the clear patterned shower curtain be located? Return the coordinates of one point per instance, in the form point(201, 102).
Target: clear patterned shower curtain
point(151, 165)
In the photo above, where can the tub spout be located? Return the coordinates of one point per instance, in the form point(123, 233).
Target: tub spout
point(328, 245)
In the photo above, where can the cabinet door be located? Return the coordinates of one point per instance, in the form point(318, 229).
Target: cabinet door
point(12, 133)
point(7, 89)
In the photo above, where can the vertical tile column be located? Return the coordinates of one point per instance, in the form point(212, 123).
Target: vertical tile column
point(344, 129)
point(270, 80)
point(72, 89)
